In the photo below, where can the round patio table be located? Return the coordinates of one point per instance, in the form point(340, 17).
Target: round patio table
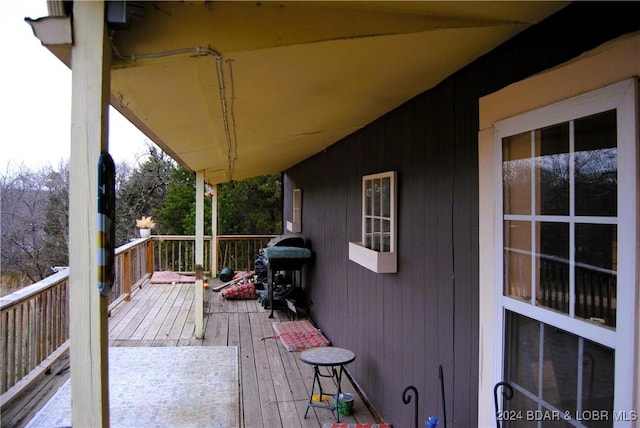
point(333, 358)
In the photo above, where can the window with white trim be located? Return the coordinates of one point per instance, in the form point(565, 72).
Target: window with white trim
point(567, 287)
point(295, 225)
point(378, 210)
point(377, 250)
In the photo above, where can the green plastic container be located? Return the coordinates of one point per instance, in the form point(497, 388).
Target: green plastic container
point(226, 274)
point(345, 404)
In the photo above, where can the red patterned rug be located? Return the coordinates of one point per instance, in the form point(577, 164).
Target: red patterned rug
point(167, 277)
point(299, 335)
point(354, 425)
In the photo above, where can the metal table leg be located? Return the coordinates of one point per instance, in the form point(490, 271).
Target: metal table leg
point(334, 374)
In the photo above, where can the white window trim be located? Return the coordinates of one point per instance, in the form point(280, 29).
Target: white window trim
point(377, 261)
point(598, 68)
point(295, 225)
point(609, 63)
point(622, 97)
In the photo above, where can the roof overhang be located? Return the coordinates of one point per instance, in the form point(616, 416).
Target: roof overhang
point(240, 89)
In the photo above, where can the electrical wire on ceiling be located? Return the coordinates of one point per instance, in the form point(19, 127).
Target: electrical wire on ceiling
point(232, 158)
point(232, 141)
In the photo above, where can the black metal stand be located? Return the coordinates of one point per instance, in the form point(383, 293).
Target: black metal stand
point(282, 261)
point(406, 399)
point(507, 393)
point(444, 403)
point(292, 265)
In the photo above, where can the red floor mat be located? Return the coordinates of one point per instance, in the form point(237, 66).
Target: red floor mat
point(166, 277)
point(299, 335)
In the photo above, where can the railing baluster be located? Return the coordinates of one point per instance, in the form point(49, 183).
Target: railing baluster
point(247, 266)
point(55, 308)
point(4, 351)
point(14, 339)
point(46, 326)
point(38, 315)
point(11, 343)
point(126, 275)
point(179, 267)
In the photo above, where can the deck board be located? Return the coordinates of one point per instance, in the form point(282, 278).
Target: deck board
point(266, 391)
point(275, 384)
point(252, 415)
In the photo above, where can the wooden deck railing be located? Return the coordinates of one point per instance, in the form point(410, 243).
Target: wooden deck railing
point(34, 321)
point(176, 253)
point(35, 327)
point(240, 252)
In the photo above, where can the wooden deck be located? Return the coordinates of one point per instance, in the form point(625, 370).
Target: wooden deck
point(275, 385)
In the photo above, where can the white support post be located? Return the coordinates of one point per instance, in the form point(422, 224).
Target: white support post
point(214, 231)
point(199, 292)
point(91, 64)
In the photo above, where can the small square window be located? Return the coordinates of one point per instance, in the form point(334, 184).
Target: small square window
point(295, 225)
point(377, 250)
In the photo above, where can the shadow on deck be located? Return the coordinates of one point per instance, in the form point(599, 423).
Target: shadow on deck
point(275, 385)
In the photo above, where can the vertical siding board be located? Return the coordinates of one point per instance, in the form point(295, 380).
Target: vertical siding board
point(406, 282)
point(446, 185)
point(382, 344)
point(390, 342)
point(432, 267)
point(419, 305)
point(465, 365)
point(391, 293)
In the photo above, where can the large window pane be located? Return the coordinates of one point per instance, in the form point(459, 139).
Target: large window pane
point(552, 170)
point(517, 259)
point(556, 373)
point(597, 381)
point(553, 265)
point(596, 165)
point(523, 352)
point(596, 272)
point(537, 184)
point(560, 369)
point(520, 406)
point(516, 173)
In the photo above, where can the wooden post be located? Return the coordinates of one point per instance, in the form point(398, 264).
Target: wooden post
point(126, 275)
point(199, 256)
point(214, 231)
point(150, 255)
point(91, 63)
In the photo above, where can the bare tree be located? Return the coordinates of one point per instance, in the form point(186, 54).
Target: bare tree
point(33, 223)
point(22, 205)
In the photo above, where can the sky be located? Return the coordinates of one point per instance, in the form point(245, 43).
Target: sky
point(35, 103)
